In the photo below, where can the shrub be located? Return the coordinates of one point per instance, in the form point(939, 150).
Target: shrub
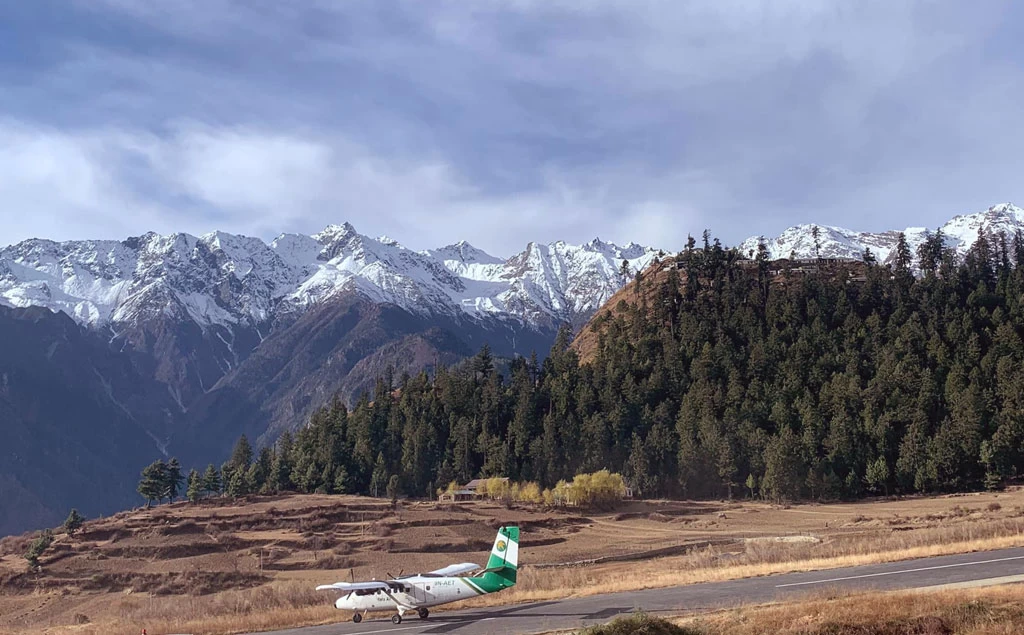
point(529, 492)
point(639, 623)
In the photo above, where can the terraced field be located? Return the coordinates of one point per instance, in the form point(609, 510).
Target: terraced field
point(222, 566)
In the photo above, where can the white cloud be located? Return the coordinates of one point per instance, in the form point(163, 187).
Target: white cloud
point(261, 183)
point(502, 122)
point(59, 185)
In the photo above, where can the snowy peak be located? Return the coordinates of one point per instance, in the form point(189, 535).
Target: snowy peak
point(463, 252)
point(224, 279)
point(959, 233)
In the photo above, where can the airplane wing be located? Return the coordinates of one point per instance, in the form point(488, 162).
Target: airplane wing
point(354, 586)
point(455, 569)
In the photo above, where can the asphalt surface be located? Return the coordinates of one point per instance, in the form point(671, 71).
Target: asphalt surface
point(585, 611)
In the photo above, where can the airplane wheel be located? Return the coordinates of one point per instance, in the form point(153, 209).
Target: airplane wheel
point(396, 619)
point(423, 613)
point(357, 618)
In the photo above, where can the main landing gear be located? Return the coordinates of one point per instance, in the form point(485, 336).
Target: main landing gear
point(423, 613)
point(396, 619)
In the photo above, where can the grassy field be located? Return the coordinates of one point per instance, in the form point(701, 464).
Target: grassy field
point(989, 611)
point(221, 567)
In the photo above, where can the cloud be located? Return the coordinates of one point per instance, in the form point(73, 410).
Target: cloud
point(502, 122)
point(259, 182)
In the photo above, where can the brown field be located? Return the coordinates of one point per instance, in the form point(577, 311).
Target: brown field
point(990, 611)
point(197, 568)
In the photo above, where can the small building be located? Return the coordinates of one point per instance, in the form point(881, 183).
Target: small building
point(475, 484)
point(457, 496)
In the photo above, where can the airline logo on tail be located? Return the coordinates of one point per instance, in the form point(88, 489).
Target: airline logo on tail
point(505, 552)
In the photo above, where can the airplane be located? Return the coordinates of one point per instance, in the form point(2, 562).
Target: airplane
point(420, 591)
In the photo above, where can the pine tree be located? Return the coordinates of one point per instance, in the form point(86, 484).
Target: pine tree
point(281, 469)
point(153, 485)
point(903, 255)
point(211, 480)
point(241, 456)
point(73, 522)
point(238, 484)
point(782, 468)
point(877, 476)
point(38, 547)
point(378, 482)
point(194, 486)
point(259, 471)
point(173, 479)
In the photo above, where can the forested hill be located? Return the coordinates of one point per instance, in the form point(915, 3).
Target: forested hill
point(723, 375)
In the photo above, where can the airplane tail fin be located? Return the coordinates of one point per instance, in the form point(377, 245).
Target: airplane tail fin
point(504, 559)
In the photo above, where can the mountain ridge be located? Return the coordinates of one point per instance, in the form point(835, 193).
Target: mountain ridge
point(175, 344)
point(960, 232)
point(227, 279)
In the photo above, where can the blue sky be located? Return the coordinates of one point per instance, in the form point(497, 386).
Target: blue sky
point(504, 122)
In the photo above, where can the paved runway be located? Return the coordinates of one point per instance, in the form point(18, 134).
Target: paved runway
point(579, 612)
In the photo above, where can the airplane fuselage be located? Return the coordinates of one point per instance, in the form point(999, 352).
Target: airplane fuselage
point(441, 586)
point(410, 593)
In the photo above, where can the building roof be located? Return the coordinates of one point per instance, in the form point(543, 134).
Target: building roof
point(475, 483)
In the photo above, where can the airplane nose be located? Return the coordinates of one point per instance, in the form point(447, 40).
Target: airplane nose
point(341, 603)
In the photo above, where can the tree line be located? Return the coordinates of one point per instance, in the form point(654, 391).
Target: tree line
point(717, 376)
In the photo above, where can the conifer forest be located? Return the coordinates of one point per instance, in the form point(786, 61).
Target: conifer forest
point(713, 374)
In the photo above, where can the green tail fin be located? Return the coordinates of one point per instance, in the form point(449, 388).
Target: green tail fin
point(502, 563)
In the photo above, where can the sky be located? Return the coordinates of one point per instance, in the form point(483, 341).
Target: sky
point(505, 122)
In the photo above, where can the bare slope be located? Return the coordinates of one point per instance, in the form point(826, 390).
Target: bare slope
point(197, 568)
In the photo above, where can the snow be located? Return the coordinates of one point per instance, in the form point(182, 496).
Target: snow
point(220, 279)
point(960, 233)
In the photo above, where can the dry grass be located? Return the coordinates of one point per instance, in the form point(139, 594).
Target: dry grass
point(989, 611)
point(303, 541)
point(268, 607)
point(757, 559)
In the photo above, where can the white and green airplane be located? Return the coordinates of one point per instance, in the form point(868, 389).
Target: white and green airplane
point(420, 591)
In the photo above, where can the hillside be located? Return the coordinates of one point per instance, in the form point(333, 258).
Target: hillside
point(785, 379)
point(652, 288)
point(75, 420)
point(204, 338)
point(224, 566)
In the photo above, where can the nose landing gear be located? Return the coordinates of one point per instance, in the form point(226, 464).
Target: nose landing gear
point(356, 617)
point(423, 613)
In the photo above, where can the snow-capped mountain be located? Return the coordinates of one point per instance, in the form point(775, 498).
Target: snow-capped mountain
point(959, 232)
point(224, 279)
